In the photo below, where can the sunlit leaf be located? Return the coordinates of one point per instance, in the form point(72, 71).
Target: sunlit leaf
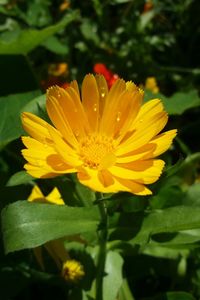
point(10, 123)
point(28, 39)
point(113, 278)
point(18, 178)
point(28, 225)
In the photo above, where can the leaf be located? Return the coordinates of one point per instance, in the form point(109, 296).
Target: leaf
point(54, 45)
point(28, 39)
point(10, 107)
point(178, 103)
point(36, 106)
point(18, 178)
point(139, 228)
point(174, 296)
point(28, 225)
point(113, 279)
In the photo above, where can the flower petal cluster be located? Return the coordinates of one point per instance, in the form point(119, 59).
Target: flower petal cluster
point(108, 138)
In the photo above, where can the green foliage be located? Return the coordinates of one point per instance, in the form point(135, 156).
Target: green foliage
point(40, 223)
point(24, 41)
point(11, 107)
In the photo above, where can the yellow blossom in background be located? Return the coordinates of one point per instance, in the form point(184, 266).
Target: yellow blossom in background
point(37, 196)
point(109, 138)
point(55, 248)
point(72, 270)
point(151, 85)
point(64, 5)
point(59, 69)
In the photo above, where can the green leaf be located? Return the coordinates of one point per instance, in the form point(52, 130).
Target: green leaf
point(36, 106)
point(178, 103)
point(54, 45)
point(18, 178)
point(10, 107)
point(28, 225)
point(113, 279)
point(192, 196)
point(28, 39)
point(139, 228)
point(174, 296)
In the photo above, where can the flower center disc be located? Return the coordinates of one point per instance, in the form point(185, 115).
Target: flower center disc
point(96, 150)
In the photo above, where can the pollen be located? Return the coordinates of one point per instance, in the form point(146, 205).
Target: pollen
point(72, 270)
point(94, 149)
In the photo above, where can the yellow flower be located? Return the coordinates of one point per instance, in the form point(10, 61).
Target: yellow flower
point(59, 69)
point(109, 138)
point(37, 196)
point(72, 270)
point(151, 85)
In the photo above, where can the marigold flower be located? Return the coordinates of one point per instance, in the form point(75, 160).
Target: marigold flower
point(109, 139)
point(72, 270)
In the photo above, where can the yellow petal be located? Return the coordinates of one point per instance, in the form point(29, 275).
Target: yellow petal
point(58, 118)
point(55, 197)
point(163, 141)
point(103, 92)
point(145, 128)
point(74, 85)
point(68, 155)
point(91, 179)
point(134, 187)
point(105, 178)
point(90, 100)
point(43, 160)
point(35, 194)
point(36, 127)
point(141, 153)
point(111, 102)
point(142, 171)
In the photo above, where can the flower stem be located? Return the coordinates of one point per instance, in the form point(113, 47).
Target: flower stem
point(102, 248)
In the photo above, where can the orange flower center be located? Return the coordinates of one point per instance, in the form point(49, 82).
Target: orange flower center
point(96, 151)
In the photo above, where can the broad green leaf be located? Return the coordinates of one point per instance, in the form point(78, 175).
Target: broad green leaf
point(192, 196)
point(178, 103)
point(36, 106)
point(125, 292)
point(54, 45)
point(28, 225)
point(139, 228)
point(18, 178)
point(174, 296)
point(10, 107)
point(113, 279)
point(28, 39)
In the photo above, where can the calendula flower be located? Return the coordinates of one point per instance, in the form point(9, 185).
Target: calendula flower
point(72, 270)
point(109, 138)
point(151, 85)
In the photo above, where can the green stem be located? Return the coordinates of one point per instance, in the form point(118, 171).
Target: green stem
point(102, 248)
point(125, 292)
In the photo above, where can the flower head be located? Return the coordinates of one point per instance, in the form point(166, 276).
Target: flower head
point(72, 270)
point(109, 138)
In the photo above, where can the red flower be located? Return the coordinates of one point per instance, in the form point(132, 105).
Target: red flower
point(100, 68)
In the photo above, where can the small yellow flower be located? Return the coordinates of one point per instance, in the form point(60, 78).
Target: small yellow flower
point(151, 85)
point(37, 196)
point(64, 5)
point(72, 270)
point(59, 69)
point(109, 138)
